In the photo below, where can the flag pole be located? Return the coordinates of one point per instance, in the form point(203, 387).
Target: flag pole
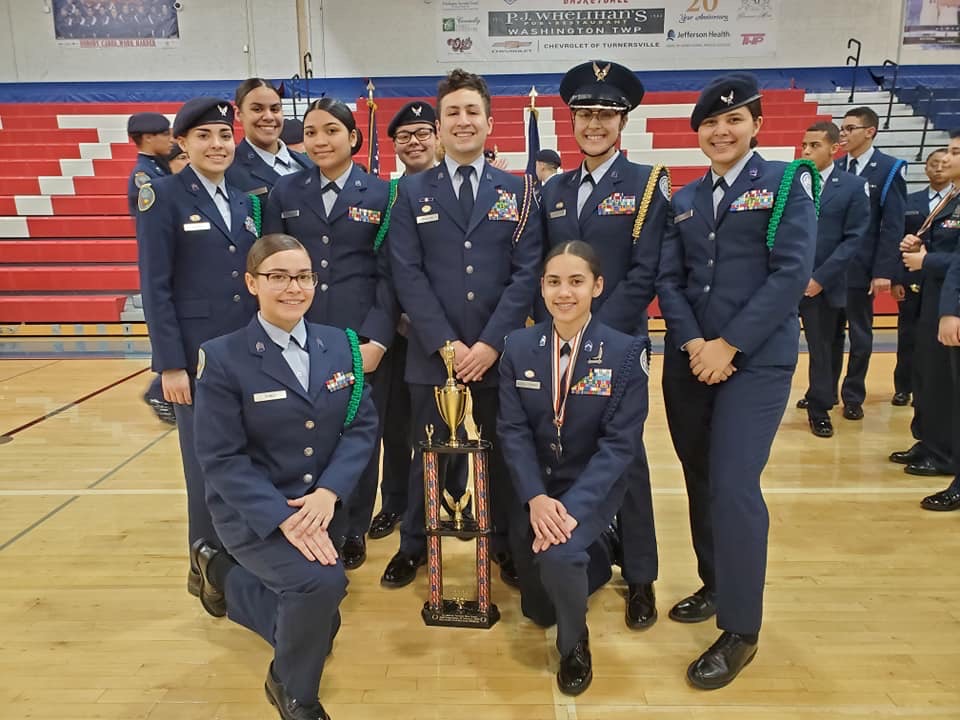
point(371, 127)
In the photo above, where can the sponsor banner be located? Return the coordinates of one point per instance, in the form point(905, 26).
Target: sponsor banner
point(97, 24)
point(932, 24)
point(628, 30)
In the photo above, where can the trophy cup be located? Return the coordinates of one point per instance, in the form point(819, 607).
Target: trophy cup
point(454, 403)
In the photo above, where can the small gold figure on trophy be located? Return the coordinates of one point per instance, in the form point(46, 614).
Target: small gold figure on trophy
point(452, 397)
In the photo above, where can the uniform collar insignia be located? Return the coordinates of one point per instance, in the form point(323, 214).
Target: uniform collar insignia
point(261, 347)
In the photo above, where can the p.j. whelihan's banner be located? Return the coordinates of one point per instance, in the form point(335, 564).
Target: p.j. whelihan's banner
point(630, 30)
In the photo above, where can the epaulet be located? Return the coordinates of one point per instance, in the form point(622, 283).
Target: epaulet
point(783, 192)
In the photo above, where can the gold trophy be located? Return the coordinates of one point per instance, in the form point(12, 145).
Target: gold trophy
point(455, 405)
point(452, 397)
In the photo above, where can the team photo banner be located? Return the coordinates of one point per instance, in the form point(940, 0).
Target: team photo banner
point(612, 29)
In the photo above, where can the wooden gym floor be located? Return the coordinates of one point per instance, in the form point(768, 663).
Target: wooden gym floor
point(862, 605)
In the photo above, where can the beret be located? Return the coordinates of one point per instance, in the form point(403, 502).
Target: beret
point(412, 112)
point(549, 156)
point(202, 111)
point(147, 122)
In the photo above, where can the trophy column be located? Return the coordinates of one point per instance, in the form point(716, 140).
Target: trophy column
point(458, 612)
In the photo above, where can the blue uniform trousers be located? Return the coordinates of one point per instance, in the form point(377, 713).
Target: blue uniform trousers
point(555, 583)
point(908, 311)
point(638, 535)
point(199, 523)
point(722, 435)
point(821, 322)
point(397, 435)
point(858, 315)
point(290, 602)
point(361, 502)
point(500, 489)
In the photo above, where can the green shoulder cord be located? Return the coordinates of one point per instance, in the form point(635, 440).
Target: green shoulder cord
point(385, 225)
point(357, 391)
point(784, 192)
point(256, 213)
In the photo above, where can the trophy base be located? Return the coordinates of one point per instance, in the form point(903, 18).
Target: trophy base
point(465, 614)
point(468, 530)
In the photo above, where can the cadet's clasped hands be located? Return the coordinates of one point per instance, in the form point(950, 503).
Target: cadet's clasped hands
point(306, 529)
point(711, 360)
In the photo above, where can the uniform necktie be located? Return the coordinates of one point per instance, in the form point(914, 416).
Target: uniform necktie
point(222, 202)
point(564, 364)
point(328, 193)
point(852, 166)
point(587, 183)
point(719, 189)
point(465, 194)
point(935, 200)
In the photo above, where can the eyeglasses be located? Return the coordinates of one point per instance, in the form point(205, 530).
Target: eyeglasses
point(405, 136)
point(280, 281)
point(847, 129)
point(584, 115)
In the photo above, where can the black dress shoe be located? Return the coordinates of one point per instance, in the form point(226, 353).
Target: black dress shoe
point(193, 582)
point(641, 606)
point(853, 411)
point(722, 662)
point(290, 708)
point(821, 427)
point(576, 669)
point(802, 404)
point(925, 467)
point(900, 399)
point(383, 524)
point(943, 501)
point(906, 457)
point(354, 552)
point(508, 573)
point(211, 597)
point(695, 608)
point(401, 570)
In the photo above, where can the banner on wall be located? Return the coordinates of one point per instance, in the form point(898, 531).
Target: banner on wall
point(932, 24)
point(99, 24)
point(612, 29)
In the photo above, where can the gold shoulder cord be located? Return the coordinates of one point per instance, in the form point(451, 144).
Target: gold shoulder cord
point(648, 192)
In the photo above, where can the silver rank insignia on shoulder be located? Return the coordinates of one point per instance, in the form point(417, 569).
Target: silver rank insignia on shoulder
point(146, 198)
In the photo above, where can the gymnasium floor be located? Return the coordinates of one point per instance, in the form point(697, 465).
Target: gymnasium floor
point(862, 613)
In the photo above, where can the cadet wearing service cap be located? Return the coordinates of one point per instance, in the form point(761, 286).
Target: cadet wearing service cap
point(600, 203)
point(194, 231)
point(730, 353)
point(150, 132)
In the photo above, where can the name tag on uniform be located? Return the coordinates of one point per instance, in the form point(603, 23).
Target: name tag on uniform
point(268, 396)
point(558, 214)
point(193, 226)
point(683, 216)
point(263, 190)
point(528, 384)
point(289, 214)
point(427, 218)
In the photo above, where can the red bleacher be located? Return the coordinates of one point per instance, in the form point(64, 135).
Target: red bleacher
point(78, 264)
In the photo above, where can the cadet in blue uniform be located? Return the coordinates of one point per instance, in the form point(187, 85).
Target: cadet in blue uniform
point(194, 231)
point(844, 217)
point(339, 213)
point(949, 328)
point(285, 427)
point(573, 399)
point(262, 157)
point(599, 203)
point(906, 379)
point(729, 297)
point(413, 131)
point(877, 263)
point(150, 132)
point(465, 242)
point(933, 250)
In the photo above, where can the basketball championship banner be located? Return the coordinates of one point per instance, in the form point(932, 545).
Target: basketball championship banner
point(629, 30)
